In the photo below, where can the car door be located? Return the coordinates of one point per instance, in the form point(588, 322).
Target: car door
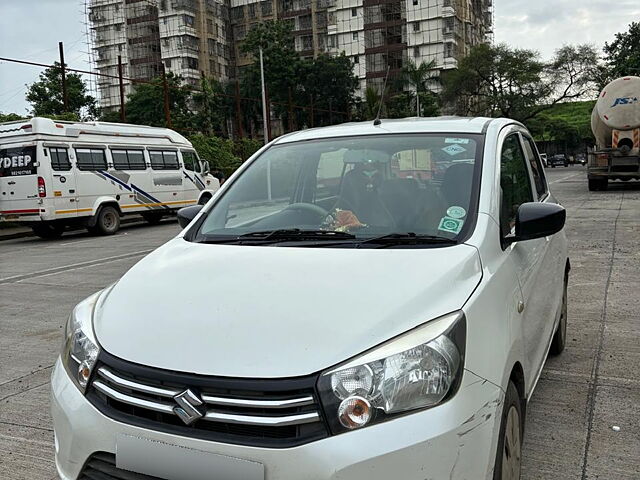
point(517, 188)
point(194, 181)
point(65, 196)
point(553, 264)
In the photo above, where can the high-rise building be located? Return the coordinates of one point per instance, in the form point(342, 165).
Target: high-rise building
point(192, 37)
point(188, 37)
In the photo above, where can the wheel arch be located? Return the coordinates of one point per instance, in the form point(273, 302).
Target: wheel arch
point(100, 203)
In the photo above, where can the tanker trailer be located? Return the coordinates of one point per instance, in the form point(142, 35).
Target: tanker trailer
point(615, 122)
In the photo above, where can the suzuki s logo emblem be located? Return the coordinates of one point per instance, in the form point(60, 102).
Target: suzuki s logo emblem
point(187, 409)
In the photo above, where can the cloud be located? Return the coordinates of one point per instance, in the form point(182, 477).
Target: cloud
point(548, 25)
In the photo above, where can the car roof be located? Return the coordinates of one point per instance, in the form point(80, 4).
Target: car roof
point(460, 125)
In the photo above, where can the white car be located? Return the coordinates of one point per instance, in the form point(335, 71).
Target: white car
point(328, 315)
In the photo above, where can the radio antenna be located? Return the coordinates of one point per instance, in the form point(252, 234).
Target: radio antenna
point(377, 121)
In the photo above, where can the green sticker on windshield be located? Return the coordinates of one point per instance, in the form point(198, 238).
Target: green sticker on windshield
point(451, 225)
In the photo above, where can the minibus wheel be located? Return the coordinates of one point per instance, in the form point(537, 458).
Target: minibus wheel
point(107, 221)
point(48, 230)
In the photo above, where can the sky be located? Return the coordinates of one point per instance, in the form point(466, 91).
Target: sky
point(31, 29)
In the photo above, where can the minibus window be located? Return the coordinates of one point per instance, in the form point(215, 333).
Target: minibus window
point(60, 159)
point(190, 161)
point(161, 160)
point(91, 159)
point(128, 159)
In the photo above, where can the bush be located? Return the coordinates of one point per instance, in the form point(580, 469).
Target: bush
point(245, 147)
point(219, 152)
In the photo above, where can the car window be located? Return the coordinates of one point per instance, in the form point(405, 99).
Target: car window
point(515, 182)
point(368, 186)
point(59, 159)
point(536, 167)
point(190, 161)
point(91, 159)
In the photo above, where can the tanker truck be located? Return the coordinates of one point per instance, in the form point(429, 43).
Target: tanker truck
point(615, 122)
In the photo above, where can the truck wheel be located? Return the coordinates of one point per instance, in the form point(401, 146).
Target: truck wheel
point(509, 454)
point(107, 222)
point(48, 230)
point(152, 218)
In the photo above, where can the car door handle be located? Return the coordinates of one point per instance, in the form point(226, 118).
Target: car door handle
point(11, 183)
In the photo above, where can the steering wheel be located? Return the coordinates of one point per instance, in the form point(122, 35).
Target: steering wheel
point(308, 207)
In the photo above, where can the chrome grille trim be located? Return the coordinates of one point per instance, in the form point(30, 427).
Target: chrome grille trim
point(108, 383)
point(298, 419)
point(241, 402)
point(140, 387)
point(128, 399)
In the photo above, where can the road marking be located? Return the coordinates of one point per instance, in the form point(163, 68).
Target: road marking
point(565, 178)
point(73, 266)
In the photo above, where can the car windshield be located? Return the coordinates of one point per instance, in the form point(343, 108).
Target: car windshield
point(388, 187)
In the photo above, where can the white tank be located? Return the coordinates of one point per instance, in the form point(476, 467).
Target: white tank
point(617, 108)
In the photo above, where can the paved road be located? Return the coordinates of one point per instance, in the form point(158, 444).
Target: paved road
point(582, 394)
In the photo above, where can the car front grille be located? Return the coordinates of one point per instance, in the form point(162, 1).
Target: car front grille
point(258, 412)
point(102, 466)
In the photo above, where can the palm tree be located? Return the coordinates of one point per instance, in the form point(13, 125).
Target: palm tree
point(372, 100)
point(420, 78)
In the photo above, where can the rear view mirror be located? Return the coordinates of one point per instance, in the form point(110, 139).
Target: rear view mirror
point(537, 220)
point(204, 166)
point(187, 214)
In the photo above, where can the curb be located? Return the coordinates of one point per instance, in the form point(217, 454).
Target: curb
point(29, 233)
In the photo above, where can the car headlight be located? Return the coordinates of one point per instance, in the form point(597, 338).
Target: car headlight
point(419, 369)
point(80, 349)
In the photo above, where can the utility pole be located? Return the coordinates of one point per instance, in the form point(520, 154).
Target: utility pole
point(264, 100)
point(123, 114)
point(165, 88)
point(65, 98)
point(238, 111)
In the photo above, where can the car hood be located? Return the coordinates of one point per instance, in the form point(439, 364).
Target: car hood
point(264, 312)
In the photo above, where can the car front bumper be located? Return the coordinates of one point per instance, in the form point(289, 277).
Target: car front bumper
point(455, 440)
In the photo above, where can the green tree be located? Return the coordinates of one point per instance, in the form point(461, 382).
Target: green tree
point(210, 107)
point(217, 151)
point(10, 117)
point(371, 103)
point(332, 83)
point(145, 104)
point(420, 79)
point(622, 56)
point(516, 83)
point(46, 97)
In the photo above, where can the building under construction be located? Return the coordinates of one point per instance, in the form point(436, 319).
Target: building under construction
point(187, 37)
point(195, 37)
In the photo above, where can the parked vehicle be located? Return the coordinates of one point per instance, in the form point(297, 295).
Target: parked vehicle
point(581, 158)
point(55, 174)
point(559, 160)
point(544, 159)
point(615, 122)
point(364, 325)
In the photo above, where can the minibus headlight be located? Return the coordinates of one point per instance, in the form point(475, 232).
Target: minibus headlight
point(419, 369)
point(80, 349)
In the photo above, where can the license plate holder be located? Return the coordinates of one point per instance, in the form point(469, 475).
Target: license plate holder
point(174, 462)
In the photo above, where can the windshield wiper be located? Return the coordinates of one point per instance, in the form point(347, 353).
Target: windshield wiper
point(280, 235)
point(297, 234)
point(408, 238)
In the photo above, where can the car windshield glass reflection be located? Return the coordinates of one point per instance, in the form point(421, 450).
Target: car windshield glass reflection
point(403, 188)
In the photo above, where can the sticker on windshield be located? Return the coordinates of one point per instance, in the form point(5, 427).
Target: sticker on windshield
point(454, 150)
point(456, 212)
point(463, 141)
point(451, 225)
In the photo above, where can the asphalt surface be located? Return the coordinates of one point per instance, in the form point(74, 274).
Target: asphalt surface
point(584, 418)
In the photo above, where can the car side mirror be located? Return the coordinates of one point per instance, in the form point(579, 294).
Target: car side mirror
point(187, 214)
point(204, 166)
point(537, 220)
